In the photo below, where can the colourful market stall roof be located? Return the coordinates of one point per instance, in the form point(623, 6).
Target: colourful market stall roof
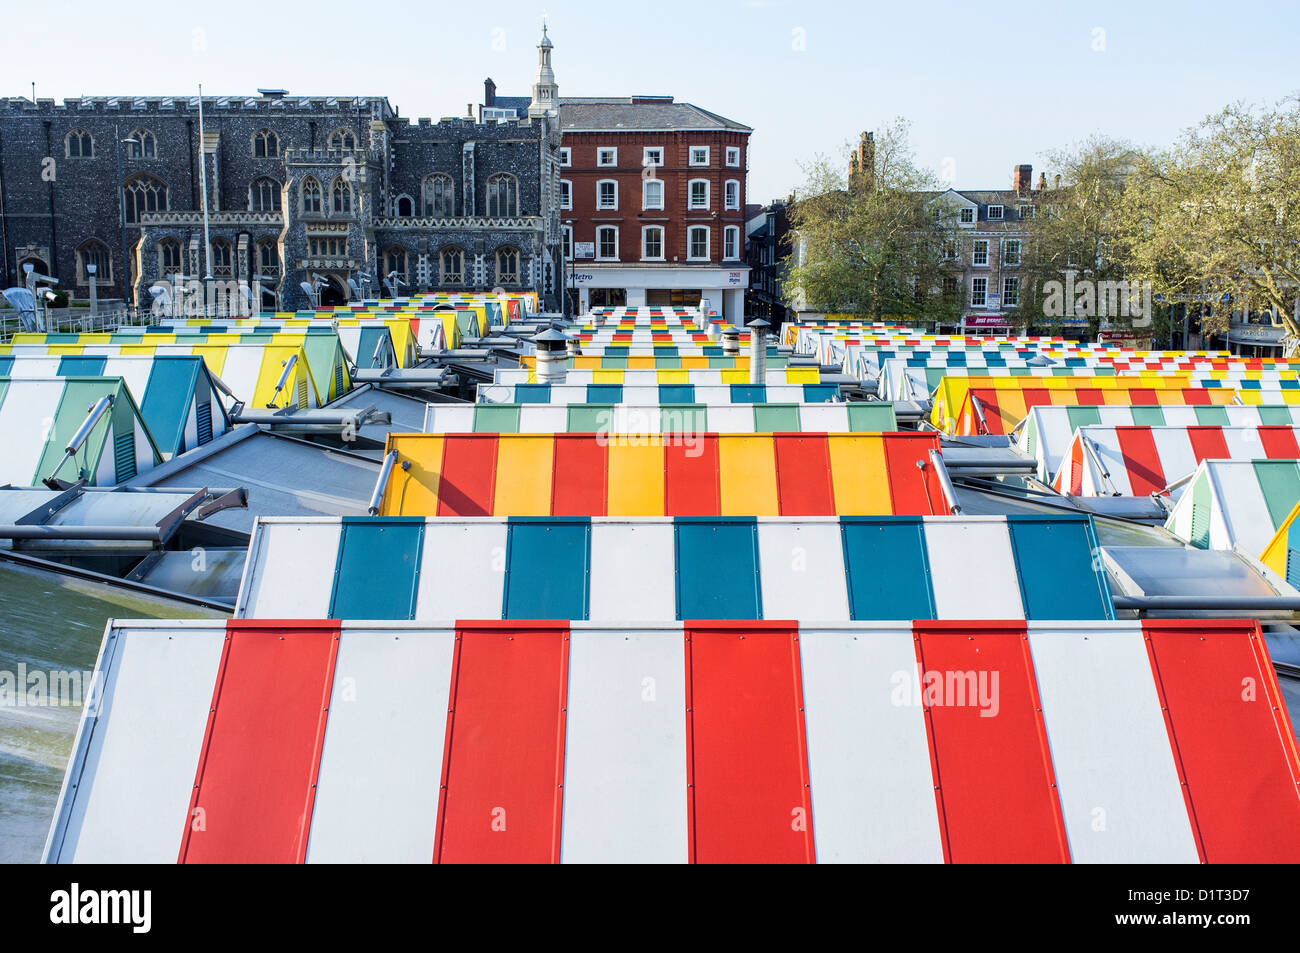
point(1141, 460)
point(859, 416)
point(1005, 401)
point(653, 392)
point(690, 362)
point(665, 569)
point(764, 744)
point(648, 377)
point(1047, 430)
point(177, 399)
point(371, 343)
point(1236, 504)
point(673, 474)
point(250, 366)
point(1282, 554)
point(40, 416)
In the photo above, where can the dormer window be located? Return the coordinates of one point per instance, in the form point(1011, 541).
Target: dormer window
point(995, 213)
point(967, 216)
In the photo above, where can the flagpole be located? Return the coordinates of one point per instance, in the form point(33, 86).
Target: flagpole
point(207, 242)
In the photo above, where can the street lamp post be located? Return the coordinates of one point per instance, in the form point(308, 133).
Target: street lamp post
point(91, 271)
point(121, 213)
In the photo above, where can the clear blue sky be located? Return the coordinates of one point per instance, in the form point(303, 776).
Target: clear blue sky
point(986, 85)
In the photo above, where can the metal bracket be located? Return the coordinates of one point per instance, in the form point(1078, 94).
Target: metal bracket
point(235, 499)
point(168, 525)
point(41, 515)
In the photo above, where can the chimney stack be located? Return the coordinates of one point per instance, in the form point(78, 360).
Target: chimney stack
point(489, 92)
point(1056, 181)
point(862, 161)
point(1042, 181)
point(1022, 176)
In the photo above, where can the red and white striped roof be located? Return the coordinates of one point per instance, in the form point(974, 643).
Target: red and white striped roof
point(284, 741)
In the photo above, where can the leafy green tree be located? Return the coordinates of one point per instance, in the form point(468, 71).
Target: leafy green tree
point(1216, 217)
point(1075, 253)
point(869, 242)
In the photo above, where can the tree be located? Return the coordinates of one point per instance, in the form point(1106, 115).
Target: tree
point(1076, 256)
point(1216, 218)
point(869, 243)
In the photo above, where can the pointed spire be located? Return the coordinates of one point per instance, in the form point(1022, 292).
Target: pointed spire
point(546, 94)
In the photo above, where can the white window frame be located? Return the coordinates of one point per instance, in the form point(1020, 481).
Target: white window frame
point(963, 212)
point(975, 253)
point(599, 256)
point(982, 284)
point(1001, 216)
point(645, 204)
point(733, 151)
point(1019, 252)
point(662, 240)
point(691, 155)
point(690, 194)
point(1026, 209)
point(727, 204)
point(567, 238)
point(601, 152)
point(731, 231)
point(599, 201)
point(566, 194)
point(1010, 295)
point(645, 156)
point(708, 242)
point(566, 156)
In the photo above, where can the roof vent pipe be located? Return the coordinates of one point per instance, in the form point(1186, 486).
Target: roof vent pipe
point(552, 357)
point(731, 341)
point(758, 351)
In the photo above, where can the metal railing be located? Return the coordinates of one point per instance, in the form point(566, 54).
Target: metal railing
point(110, 316)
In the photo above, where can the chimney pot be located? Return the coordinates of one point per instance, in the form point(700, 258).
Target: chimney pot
point(1022, 176)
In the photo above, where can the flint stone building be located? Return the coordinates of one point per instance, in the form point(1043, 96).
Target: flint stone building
point(337, 187)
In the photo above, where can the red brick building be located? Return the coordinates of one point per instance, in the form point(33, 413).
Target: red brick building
point(652, 199)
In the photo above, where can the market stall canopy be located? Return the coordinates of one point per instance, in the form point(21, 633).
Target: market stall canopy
point(1140, 461)
point(178, 400)
point(995, 405)
point(260, 370)
point(1048, 430)
point(1236, 504)
point(687, 474)
point(666, 569)
point(371, 343)
point(764, 743)
point(72, 428)
point(649, 377)
point(653, 392)
point(675, 417)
